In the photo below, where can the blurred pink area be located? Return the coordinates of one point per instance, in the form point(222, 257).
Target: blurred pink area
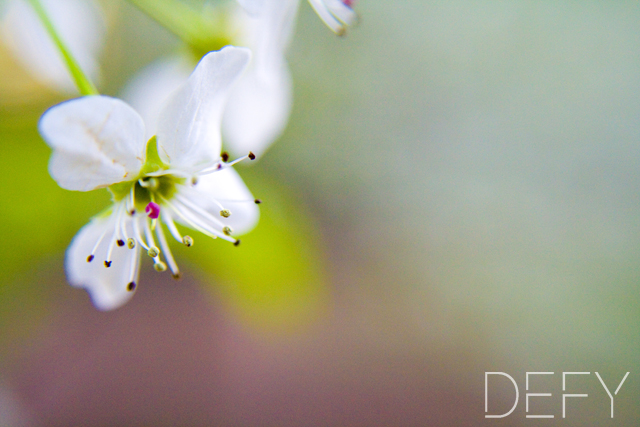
point(173, 356)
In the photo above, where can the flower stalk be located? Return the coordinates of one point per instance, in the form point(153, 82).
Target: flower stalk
point(85, 86)
point(182, 20)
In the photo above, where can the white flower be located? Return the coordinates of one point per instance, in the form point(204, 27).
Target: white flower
point(337, 14)
point(78, 22)
point(260, 104)
point(178, 176)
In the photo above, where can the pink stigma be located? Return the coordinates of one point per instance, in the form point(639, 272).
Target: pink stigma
point(152, 210)
point(348, 2)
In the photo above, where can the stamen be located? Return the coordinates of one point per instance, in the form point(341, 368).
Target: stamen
point(134, 270)
point(115, 239)
point(138, 234)
point(150, 183)
point(168, 220)
point(227, 230)
point(132, 202)
point(108, 263)
point(120, 242)
point(195, 222)
point(153, 249)
point(188, 241)
point(189, 204)
point(237, 242)
point(95, 247)
point(239, 159)
point(224, 156)
point(174, 172)
point(131, 243)
point(257, 201)
point(226, 213)
point(173, 266)
point(160, 266)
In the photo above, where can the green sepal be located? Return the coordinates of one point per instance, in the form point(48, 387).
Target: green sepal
point(153, 163)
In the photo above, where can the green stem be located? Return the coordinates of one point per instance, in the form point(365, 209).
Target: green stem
point(180, 19)
point(82, 81)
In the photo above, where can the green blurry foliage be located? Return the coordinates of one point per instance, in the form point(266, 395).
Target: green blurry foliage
point(38, 218)
point(276, 278)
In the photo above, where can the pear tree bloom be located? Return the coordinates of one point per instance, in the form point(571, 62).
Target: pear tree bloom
point(259, 107)
point(336, 14)
point(177, 176)
point(79, 23)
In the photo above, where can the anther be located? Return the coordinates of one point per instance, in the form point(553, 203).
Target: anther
point(131, 243)
point(188, 241)
point(160, 266)
point(131, 286)
point(177, 276)
point(132, 212)
point(236, 243)
point(152, 210)
point(252, 156)
point(90, 258)
point(225, 213)
point(227, 230)
point(257, 201)
point(194, 180)
point(153, 252)
point(224, 156)
point(120, 242)
point(107, 264)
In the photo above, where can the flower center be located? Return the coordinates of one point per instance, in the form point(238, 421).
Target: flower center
point(154, 189)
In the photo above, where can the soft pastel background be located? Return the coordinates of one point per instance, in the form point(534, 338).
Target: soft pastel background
point(457, 192)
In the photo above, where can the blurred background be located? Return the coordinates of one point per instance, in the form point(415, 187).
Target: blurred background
point(457, 192)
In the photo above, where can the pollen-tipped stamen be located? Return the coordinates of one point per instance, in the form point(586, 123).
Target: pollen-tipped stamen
point(196, 223)
point(134, 270)
point(173, 266)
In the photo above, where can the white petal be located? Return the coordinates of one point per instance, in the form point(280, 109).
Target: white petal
point(226, 187)
point(259, 107)
point(257, 112)
point(78, 22)
point(189, 129)
point(325, 14)
point(97, 141)
point(252, 7)
point(106, 286)
point(150, 90)
point(341, 11)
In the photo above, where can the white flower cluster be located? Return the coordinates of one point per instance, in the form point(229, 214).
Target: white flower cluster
point(162, 161)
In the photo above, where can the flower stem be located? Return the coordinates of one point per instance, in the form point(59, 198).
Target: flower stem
point(82, 81)
point(180, 19)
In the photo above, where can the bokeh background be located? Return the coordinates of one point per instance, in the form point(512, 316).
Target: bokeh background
point(457, 192)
